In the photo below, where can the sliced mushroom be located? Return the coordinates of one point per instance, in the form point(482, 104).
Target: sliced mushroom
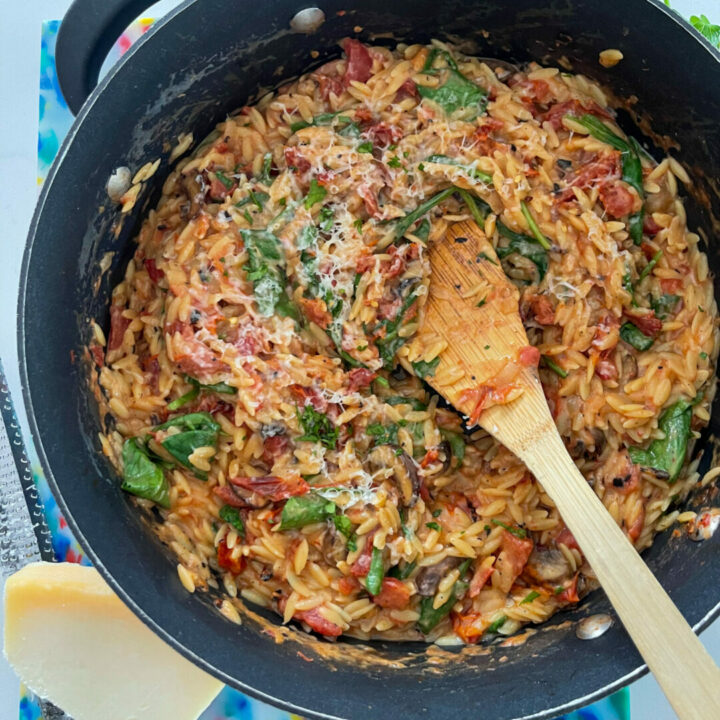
point(429, 577)
point(403, 470)
point(547, 565)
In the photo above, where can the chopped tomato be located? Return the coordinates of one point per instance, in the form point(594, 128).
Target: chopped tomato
point(153, 271)
point(650, 227)
point(227, 562)
point(606, 370)
point(671, 286)
point(512, 559)
point(542, 309)
point(407, 89)
point(118, 326)
point(274, 447)
point(363, 114)
point(360, 378)
point(229, 496)
point(316, 311)
point(394, 594)
point(565, 537)
point(309, 396)
point(98, 355)
point(468, 626)
point(383, 134)
point(617, 199)
point(569, 594)
point(361, 566)
point(192, 356)
point(431, 456)
point(529, 356)
point(273, 487)
point(295, 159)
point(645, 322)
point(370, 199)
point(348, 585)
point(359, 61)
point(603, 168)
point(318, 623)
point(482, 397)
point(557, 112)
point(481, 576)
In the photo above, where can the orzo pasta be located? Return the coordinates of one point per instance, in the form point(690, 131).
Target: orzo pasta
point(265, 380)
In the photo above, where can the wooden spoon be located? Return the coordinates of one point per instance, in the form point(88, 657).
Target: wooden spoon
point(473, 306)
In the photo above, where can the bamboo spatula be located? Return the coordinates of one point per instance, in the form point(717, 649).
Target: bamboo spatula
point(474, 307)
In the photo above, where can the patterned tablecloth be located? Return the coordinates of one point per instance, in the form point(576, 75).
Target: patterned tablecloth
point(55, 121)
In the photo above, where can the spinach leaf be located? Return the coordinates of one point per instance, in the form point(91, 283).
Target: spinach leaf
point(264, 176)
point(376, 573)
point(664, 305)
point(265, 268)
point(422, 231)
point(317, 121)
point(632, 335)
point(301, 510)
point(426, 369)
point(365, 147)
point(391, 342)
point(525, 246)
point(316, 193)
point(383, 434)
point(471, 171)
point(327, 219)
point(196, 430)
point(457, 96)
point(318, 427)
point(343, 525)
point(231, 515)
point(141, 476)
point(648, 268)
point(224, 179)
point(532, 595)
point(189, 396)
point(532, 224)
point(429, 616)
point(668, 454)
point(222, 388)
point(496, 624)
point(403, 224)
point(414, 403)
point(457, 445)
point(402, 573)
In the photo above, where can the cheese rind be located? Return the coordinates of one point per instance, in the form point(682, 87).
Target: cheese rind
point(73, 642)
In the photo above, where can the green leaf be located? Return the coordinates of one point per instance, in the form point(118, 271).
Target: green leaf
point(433, 526)
point(383, 434)
point(391, 342)
point(478, 208)
point(301, 510)
point(532, 595)
point(376, 573)
point(648, 268)
point(457, 95)
point(264, 268)
point(189, 396)
point(317, 427)
point(141, 476)
point(414, 403)
point(495, 625)
point(537, 234)
point(316, 193)
point(394, 162)
point(429, 616)
point(635, 226)
point(632, 335)
point(516, 531)
point(264, 176)
point(457, 445)
point(258, 199)
point(344, 525)
point(426, 369)
point(365, 147)
point(525, 246)
point(664, 305)
point(231, 515)
point(704, 26)
point(404, 572)
point(471, 171)
point(196, 430)
point(422, 231)
point(668, 454)
point(224, 179)
point(403, 224)
point(318, 120)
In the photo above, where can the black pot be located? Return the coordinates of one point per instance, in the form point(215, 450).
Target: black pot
point(208, 58)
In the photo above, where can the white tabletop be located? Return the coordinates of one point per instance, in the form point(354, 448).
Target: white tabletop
point(19, 74)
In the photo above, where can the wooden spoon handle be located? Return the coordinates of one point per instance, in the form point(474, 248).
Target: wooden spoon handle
point(683, 668)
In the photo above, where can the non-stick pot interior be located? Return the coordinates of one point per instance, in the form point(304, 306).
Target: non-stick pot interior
point(206, 60)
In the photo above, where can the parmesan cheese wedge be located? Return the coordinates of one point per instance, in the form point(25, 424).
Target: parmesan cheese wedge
point(74, 643)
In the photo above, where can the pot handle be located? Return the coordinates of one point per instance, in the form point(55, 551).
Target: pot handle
point(87, 34)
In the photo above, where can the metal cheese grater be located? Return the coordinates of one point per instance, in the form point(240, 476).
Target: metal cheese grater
point(24, 534)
